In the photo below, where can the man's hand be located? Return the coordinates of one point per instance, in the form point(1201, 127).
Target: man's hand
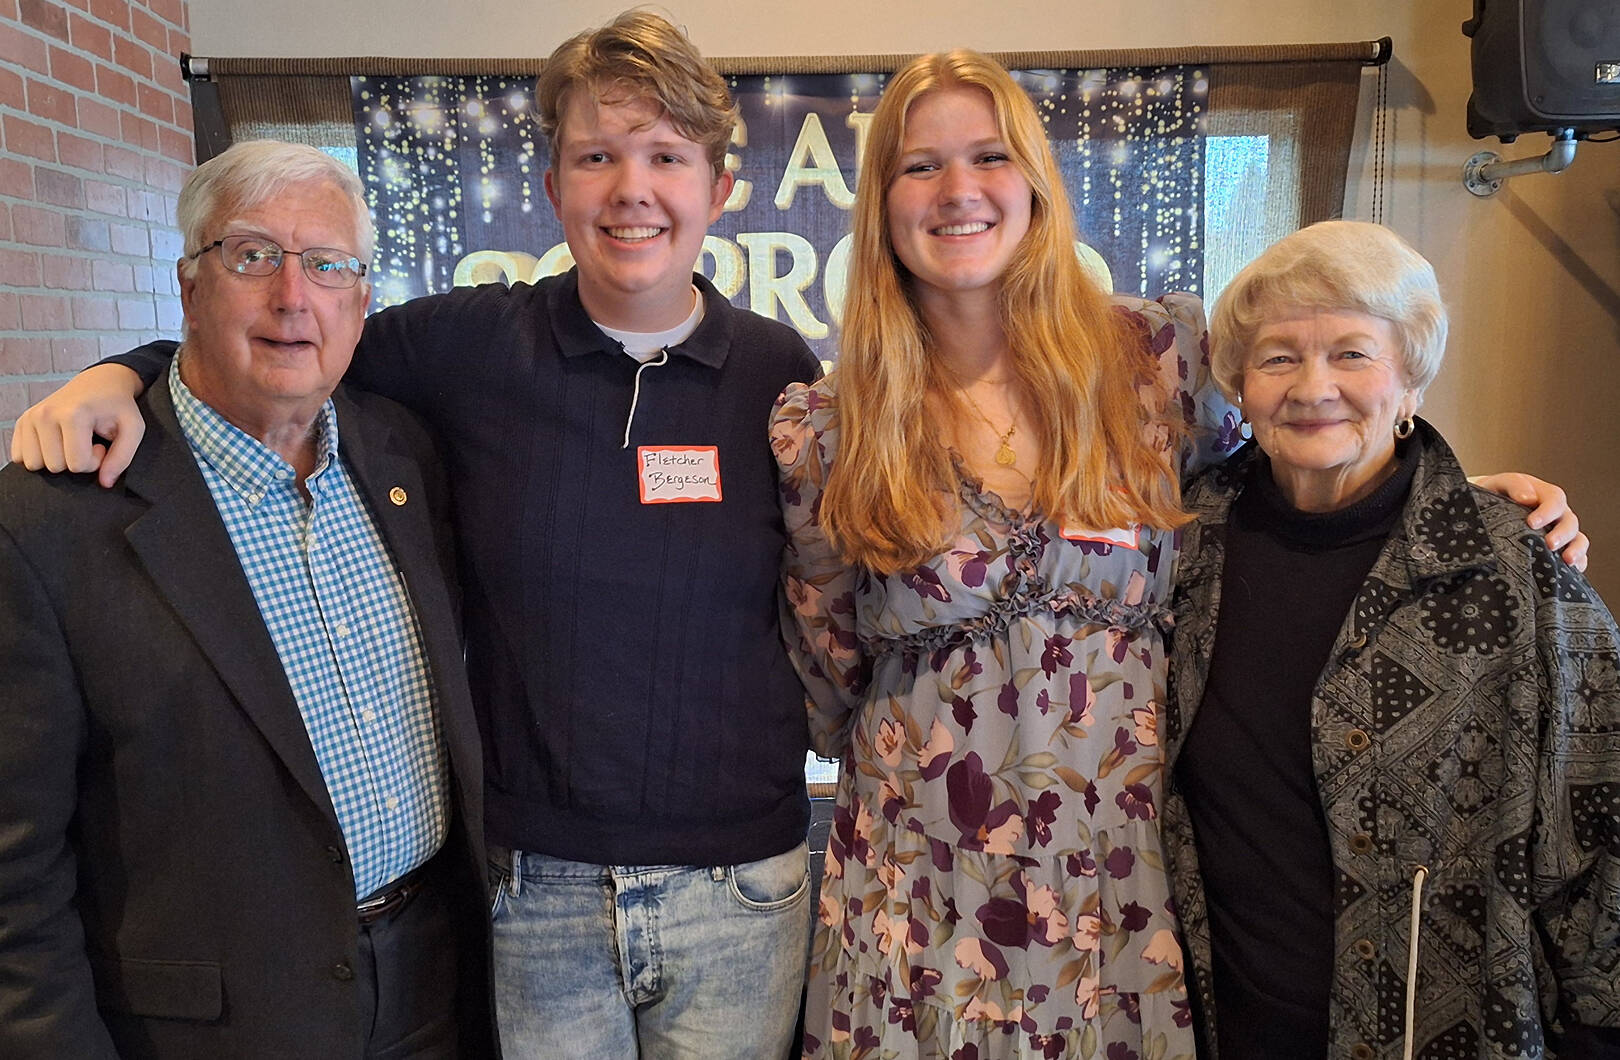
point(1549, 509)
point(59, 433)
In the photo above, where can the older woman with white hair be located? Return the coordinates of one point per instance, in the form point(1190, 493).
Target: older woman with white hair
point(1394, 728)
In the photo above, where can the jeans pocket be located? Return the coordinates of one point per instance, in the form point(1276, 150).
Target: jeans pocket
point(771, 883)
point(500, 878)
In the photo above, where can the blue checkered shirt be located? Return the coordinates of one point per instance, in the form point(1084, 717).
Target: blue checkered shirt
point(347, 635)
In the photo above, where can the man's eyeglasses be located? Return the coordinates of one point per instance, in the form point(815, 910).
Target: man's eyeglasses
point(257, 256)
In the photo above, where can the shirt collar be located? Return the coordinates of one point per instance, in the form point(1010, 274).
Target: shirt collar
point(577, 334)
point(245, 464)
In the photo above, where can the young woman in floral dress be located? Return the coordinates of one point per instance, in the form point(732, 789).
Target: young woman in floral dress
point(981, 501)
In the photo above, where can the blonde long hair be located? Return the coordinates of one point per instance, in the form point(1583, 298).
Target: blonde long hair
point(890, 501)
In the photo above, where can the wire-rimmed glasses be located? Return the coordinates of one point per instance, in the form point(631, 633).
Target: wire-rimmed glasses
point(258, 256)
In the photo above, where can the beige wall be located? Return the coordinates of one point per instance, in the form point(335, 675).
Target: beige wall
point(1532, 276)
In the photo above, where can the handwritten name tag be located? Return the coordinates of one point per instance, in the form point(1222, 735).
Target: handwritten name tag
point(1124, 537)
point(673, 474)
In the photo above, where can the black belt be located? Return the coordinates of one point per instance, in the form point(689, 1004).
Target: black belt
point(396, 897)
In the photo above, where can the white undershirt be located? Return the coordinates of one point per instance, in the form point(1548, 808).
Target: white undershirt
point(645, 346)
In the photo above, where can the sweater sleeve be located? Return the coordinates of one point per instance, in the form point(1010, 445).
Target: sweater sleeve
point(412, 352)
point(818, 598)
point(406, 352)
point(149, 361)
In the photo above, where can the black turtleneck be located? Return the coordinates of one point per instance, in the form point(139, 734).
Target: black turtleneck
point(1246, 769)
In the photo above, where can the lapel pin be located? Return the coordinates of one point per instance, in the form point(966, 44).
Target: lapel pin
point(397, 495)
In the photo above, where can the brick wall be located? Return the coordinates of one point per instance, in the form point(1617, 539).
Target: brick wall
point(95, 140)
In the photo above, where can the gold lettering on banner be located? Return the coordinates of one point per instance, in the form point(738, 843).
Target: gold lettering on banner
point(730, 271)
point(812, 162)
point(559, 259)
point(862, 124)
point(493, 266)
point(1095, 264)
point(511, 266)
point(741, 189)
point(766, 289)
point(836, 277)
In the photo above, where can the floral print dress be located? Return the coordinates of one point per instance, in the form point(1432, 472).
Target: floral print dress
point(994, 881)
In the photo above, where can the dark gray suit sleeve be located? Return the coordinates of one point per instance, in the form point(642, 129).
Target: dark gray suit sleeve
point(47, 995)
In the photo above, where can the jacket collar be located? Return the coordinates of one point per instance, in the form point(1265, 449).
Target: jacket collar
point(576, 333)
point(1441, 534)
point(1441, 530)
point(187, 552)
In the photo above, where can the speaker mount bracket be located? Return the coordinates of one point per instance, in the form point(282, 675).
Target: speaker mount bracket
point(1484, 173)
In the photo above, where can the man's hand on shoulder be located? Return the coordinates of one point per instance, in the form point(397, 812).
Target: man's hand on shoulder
point(60, 432)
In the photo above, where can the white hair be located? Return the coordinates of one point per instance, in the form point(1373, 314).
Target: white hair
point(1333, 265)
point(252, 172)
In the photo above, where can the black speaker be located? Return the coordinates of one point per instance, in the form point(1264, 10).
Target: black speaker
point(1541, 65)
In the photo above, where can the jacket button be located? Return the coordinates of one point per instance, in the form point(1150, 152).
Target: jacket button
point(1357, 740)
point(1365, 949)
point(1361, 1051)
point(334, 855)
point(341, 970)
point(1361, 843)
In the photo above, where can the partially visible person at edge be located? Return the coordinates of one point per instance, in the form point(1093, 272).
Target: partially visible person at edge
point(644, 730)
point(1394, 736)
point(240, 784)
point(982, 502)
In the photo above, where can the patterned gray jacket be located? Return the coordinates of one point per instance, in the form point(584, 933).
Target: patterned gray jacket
point(1467, 755)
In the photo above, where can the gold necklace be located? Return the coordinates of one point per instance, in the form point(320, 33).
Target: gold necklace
point(1004, 452)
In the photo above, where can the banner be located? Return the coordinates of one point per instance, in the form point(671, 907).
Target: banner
point(454, 168)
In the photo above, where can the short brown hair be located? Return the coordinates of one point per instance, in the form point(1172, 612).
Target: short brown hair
point(640, 55)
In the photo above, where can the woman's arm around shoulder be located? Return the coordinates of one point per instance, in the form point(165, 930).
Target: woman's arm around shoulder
point(1183, 389)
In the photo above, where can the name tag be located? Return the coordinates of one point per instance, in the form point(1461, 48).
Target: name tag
point(1124, 537)
point(672, 474)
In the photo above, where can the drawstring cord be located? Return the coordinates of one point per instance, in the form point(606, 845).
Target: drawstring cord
point(1419, 877)
point(635, 395)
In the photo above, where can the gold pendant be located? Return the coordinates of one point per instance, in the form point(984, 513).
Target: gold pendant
point(1005, 456)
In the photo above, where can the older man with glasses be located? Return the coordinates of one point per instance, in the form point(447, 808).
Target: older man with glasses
point(240, 786)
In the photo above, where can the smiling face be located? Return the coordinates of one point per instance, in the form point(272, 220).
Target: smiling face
point(635, 199)
point(1323, 390)
point(266, 351)
point(958, 206)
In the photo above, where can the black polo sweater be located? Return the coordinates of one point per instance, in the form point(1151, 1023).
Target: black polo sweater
point(635, 697)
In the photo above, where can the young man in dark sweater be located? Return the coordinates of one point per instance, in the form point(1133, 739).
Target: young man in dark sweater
point(616, 511)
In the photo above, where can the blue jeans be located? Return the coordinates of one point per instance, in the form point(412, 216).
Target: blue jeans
point(615, 962)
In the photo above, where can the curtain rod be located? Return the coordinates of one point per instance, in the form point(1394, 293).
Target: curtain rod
point(1368, 53)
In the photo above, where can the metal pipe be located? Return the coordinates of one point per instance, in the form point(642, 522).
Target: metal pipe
point(1484, 173)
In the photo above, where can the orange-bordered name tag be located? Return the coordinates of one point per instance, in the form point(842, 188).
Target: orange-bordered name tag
point(672, 474)
point(1124, 537)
